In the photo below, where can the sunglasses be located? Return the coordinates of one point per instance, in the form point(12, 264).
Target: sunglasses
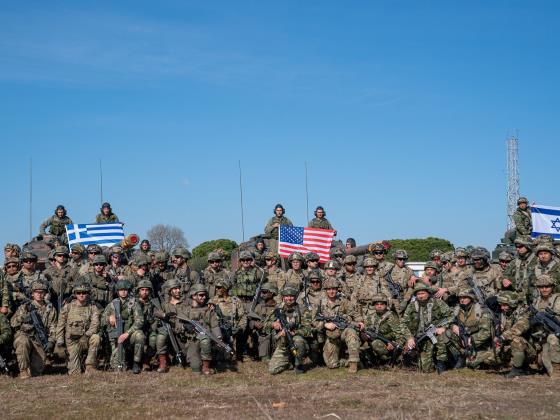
point(11, 265)
point(378, 252)
point(97, 264)
point(81, 293)
point(246, 260)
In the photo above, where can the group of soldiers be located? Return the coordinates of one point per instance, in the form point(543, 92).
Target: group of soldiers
point(116, 309)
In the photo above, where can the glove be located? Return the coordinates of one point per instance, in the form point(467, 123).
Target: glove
point(50, 347)
point(84, 341)
point(60, 343)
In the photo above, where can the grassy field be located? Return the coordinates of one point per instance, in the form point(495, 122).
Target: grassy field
point(253, 393)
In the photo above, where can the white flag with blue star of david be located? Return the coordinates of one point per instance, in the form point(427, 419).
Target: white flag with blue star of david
point(546, 220)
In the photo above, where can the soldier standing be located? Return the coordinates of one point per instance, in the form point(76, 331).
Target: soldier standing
point(271, 230)
point(76, 257)
point(546, 264)
point(259, 252)
point(215, 272)
point(299, 327)
point(522, 218)
point(57, 224)
point(101, 288)
point(274, 274)
point(332, 305)
point(132, 324)
point(77, 330)
point(92, 251)
point(320, 221)
point(379, 252)
point(295, 275)
point(350, 276)
point(60, 277)
point(30, 352)
point(182, 271)
point(517, 275)
point(106, 215)
point(370, 285)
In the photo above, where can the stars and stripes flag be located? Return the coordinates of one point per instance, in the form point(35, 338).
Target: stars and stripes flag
point(304, 240)
point(103, 234)
point(546, 220)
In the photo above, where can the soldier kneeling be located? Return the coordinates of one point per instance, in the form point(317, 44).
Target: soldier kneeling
point(77, 329)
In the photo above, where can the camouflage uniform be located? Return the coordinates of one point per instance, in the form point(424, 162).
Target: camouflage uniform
point(552, 269)
point(212, 275)
point(263, 310)
point(198, 346)
point(133, 322)
point(77, 329)
point(5, 294)
point(29, 352)
point(300, 319)
point(417, 317)
point(101, 288)
point(245, 284)
point(110, 218)
point(57, 227)
point(150, 327)
point(401, 276)
point(272, 232)
point(60, 278)
point(337, 338)
point(320, 223)
point(488, 279)
point(369, 286)
point(520, 269)
point(5, 335)
point(522, 220)
point(186, 276)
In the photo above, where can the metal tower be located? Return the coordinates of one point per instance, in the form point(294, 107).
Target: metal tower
point(513, 178)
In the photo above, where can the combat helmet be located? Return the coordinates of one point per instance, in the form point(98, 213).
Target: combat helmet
point(331, 283)
point(508, 297)
point(145, 284)
point(270, 287)
point(296, 256)
point(331, 264)
point(197, 288)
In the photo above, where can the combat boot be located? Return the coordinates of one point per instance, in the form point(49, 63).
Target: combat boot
point(206, 367)
point(440, 367)
point(352, 367)
point(515, 372)
point(162, 363)
point(25, 374)
point(89, 369)
point(136, 368)
point(299, 369)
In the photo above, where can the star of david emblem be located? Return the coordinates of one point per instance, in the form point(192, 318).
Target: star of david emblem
point(556, 224)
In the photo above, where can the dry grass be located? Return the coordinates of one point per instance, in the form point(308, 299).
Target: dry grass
point(253, 393)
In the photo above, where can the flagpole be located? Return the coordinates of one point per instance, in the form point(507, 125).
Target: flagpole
point(241, 197)
point(306, 195)
point(30, 198)
point(100, 183)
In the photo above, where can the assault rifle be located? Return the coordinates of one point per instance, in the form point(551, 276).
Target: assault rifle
point(546, 318)
point(430, 332)
point(394, 287)
point(4, 365)
point(38, 326)
point(483, 301)
point(203, 331)
point(174, 343)
point(256, 298)
point(289, 338)
point(225, 324)
point(469, 351)
point(116, 333)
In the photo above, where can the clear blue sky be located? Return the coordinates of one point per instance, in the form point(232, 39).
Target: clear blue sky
point(400, 108)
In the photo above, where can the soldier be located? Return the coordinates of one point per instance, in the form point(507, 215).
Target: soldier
point(87, 266)
point(57, 224)
point(295, 275)
point(332, 305)
point(379, 252)
point(487, 277)
point(350, 276)
point(60, 277)
point(320, 221)
point(77, 330)
point(517, 275)
point(5, 296)
point(182, 271)
point(370, 285)
point(132, 324)
point(76, 257)
point(403, 277)
point(546, 264)
point(477, 326)
point(259, 252)
point(312, 293)
point(435, 256)
point(106, 215)
point(144, 248)
point(215, 272)
point(384, 322)
point(141, 271)
point(11, 251)
point(330, 269)
point(513, 345)
point(418, 316)
point(20, 281)
point(274, 274)
point(522, 219)
point(5, 336)
point(144, 293)
point(263, 310)
point(299, 327)
point(337, 255)
point(271, 230)
point(504, 259)
point(99, 281)
point(312, 261)
point(548, 343)
point(462, 270)
point(231, 313)
point(30, 353)
point(198, 346)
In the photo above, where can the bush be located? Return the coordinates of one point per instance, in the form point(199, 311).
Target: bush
point(419, 249)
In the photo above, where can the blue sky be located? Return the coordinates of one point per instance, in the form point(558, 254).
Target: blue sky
point(401, 110)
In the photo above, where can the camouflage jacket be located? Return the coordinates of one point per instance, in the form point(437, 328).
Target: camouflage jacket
point(20, 283)
point(552, 269)
point(276, 276)
point(245, 282)
point(61, 280)
point(418, 317)
point(101, 289)
point(519, 273)
point(538, 332)
point(338, 307)
point(297, 317)
point(5, 332)
point(205, 315)
point(264, 310)
point(388, 325)
point(21, 321)
point(350, 282)
point(231, 312)
point(5, 292)
point(313, 296)
point(294, 279)
point(149, 308)
point(186, 276)
point(367, 288)
point(478, 325)
point(111, 218)
point(75, 321)
point(57, 225)
point(320, 223)
point(272, 232)
point(211, 276)
point(489, 280)
point(523, 223)
point(131, 313)
point(515, 324)
point(458, 278)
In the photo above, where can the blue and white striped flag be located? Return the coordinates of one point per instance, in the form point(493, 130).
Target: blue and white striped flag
point(104, 234)
point(546, 220)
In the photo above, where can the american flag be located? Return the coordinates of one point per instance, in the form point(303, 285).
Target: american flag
point(304, 240)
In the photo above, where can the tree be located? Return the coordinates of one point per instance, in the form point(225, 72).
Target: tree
point(205, 248)
point(419, 249)
point(166, 237)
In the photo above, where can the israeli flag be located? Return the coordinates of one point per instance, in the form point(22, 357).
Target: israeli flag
point(546, 220)
point(104, 234)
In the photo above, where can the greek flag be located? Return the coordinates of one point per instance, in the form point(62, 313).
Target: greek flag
point(105, 234)
point(546, 220)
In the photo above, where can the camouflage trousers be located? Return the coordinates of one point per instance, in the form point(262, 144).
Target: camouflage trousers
point(197, 349)
point(76, 352)
point(428, 350)
point(135, 342)
point(30, 354)
point(158, 341)
point(333, 346)
point(550, 353)
point(265, 346)
point(315, 345)
point(280, 360)
point(380, 352)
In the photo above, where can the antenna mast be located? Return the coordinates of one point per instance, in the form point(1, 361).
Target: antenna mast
point(513, 178)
